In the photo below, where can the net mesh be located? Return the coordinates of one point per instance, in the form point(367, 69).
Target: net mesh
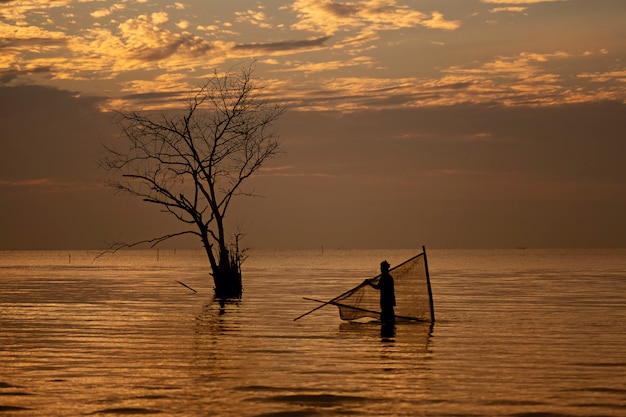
point(412, 290)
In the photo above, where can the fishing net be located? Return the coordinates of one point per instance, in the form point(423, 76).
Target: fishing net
point(412, 290)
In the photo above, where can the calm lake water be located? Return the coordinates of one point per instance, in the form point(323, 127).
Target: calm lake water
point(518, 333)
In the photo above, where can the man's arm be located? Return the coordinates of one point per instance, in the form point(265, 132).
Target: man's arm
point(371, 284)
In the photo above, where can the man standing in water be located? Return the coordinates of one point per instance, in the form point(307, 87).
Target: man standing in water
point(387, 294)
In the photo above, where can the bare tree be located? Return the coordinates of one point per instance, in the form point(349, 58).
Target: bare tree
point(194, 162)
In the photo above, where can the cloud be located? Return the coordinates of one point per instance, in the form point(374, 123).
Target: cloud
point(508, 9)
point(145, 41)
point(605, 77)
point(312, 67)
point(18, 42)
point(254, 17)
point(20, 10)
point(330, 17)
point(183, 24)
point(525, 79)
point(30, 36)
point(159, 43)
point(520, 1)
point(106, 12)
point(98, 51)
point(10, 75)
point(164, 91)
point(100, 13)
point(437, 21)
point(274, 47)
point(159, 18)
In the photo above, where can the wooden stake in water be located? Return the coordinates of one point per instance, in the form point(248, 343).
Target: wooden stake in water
point(185, 285)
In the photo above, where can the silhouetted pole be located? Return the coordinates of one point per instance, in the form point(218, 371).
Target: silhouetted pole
point(430, 291)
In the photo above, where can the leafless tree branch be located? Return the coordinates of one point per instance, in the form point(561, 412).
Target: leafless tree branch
point(193, 163)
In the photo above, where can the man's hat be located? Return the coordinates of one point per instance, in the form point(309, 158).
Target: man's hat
point(384, 264)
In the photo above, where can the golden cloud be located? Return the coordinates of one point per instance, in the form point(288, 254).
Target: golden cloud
point(20, 10)
point(330, 17)
point(172, 55)
point(519, 1)
point(508, 9)
point(519, 80)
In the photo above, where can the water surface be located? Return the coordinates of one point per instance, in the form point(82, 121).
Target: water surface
point(518, 333)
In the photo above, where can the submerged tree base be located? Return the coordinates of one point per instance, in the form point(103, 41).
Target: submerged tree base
point(227, 278)
point(229, 291)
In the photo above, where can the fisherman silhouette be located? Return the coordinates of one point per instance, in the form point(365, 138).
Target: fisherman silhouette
point(387, 294)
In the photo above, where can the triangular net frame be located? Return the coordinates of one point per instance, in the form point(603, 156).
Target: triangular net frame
point(412, 290)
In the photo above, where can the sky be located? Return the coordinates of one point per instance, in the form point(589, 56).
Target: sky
point(448, 123)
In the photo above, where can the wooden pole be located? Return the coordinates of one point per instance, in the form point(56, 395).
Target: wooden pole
point(185, 285)
point(315, 309)
point(326, 303)
point(430, 291)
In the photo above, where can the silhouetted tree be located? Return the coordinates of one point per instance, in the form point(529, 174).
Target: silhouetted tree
point(193, 162)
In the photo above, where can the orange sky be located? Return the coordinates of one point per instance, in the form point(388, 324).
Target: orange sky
point(460, 123)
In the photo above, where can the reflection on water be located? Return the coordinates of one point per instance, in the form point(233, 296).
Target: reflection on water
point(519, 333)
point(303, 368)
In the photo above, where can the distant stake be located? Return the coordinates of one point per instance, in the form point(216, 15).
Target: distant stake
point(185, 285)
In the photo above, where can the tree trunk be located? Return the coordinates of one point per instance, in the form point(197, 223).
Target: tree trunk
point(227, 276)
point(226, 271)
